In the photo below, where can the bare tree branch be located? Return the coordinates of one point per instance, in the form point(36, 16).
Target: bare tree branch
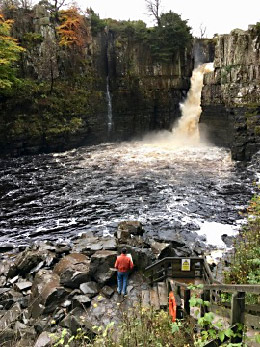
point(154, 9)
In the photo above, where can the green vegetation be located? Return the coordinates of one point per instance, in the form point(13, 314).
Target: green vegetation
point(165, 40)
point(9, 53)
point(245, 266)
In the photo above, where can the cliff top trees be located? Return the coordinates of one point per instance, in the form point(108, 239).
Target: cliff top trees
point(172, 35)
point(9, 53)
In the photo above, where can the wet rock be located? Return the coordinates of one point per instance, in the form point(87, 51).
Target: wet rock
point(161, 249)
point(89, 288)
point(46, 293)
point(24, 331)
point(142, 257)
point(228, 240)
point(59, 316)
point(127, 228)
point(171, 236)
point(6, 335)
point(102, 266)
point(5, 266)
point(89, 245)
point(107, 291)
point(21, 286)
point(77, 318)
point(2, 281)
point(9, 297)
point(81, 301)
point(44, 340)
point(73, 270)
point(73, 293)
point(25, 262)
point(11, 316)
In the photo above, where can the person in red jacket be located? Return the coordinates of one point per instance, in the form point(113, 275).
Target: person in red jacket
point(123, 265)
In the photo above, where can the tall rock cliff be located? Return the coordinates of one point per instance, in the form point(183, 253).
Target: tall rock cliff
point(68, 91)
point(231, 95)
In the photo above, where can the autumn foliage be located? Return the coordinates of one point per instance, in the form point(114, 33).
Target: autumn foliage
point(9, 53)
point(73, 31)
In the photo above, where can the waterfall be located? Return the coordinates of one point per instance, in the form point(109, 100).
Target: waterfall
point(109, 108)
point(187, 128)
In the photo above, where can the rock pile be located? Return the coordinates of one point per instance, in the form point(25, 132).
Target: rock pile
point(51, 286)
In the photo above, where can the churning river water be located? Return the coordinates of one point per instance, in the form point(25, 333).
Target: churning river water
point(170, 189)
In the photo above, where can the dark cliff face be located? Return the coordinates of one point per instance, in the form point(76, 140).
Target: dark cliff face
point(63, 100)
point(231, 94)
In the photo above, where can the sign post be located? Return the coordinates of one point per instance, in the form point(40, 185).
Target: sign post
point(185, 265)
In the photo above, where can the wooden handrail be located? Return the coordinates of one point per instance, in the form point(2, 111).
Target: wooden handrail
point(167, 259)
point(232, 288)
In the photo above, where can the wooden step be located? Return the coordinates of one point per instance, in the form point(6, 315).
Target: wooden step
point(163, 294)
point(154, 298)
point(145, 297)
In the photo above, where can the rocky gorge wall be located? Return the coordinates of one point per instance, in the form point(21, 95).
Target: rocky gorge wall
point(231, 95)
point(64, 99)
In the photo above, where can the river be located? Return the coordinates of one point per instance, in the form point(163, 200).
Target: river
point(170, 189)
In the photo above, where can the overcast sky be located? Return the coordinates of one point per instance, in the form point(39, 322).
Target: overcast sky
point(219, 16)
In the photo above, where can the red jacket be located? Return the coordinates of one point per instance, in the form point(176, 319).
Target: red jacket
point(123, 263)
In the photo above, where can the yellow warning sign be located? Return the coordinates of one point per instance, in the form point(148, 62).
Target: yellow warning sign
point(185, 265)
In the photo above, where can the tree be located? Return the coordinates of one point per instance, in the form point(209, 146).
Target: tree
point(74, 30)
point(171, 36)
point(9, 53)
point(203, 30)
point(154, 9)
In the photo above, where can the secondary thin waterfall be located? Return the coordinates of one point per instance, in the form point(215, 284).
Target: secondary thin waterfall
point(187, 128)
point(109, 108)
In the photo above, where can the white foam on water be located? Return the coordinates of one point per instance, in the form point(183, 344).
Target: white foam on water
point(213, 232)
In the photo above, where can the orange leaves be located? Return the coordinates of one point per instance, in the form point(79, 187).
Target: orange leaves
point(74, 29)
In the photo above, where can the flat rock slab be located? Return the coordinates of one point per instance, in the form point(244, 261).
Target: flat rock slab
point(73, 270)
point(20, 286)
point(89, 288)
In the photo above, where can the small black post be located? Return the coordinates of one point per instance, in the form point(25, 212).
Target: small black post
point(237, 312)
point(187, 301)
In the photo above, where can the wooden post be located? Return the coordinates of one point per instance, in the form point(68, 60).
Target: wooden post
point(205, 296)
point(187, 301)
point(165, 270)
point(237, 308)
point(237, 312)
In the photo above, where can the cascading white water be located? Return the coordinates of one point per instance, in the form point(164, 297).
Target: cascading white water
point(109, 108)
point(187, 128)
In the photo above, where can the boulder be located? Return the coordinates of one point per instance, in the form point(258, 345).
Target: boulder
point(102, 266)
point(142, 257)
point(8, 297)
point(89, 245)
point(21, 286)
point(7, 335)
point(24, 331)
point(73, 270)
point(89, 288)
point(161, 249)
point(132, 227)
point(107, 291)
point(29, 260)
point(172, 237)
point(10, 317)
point(47, 293)
point(78, 318)
point(44, 340)
point(81, 301)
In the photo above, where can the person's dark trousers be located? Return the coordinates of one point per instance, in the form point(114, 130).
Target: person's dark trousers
point(122, 278)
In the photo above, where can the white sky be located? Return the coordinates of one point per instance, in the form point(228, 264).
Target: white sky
point(219, 16)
